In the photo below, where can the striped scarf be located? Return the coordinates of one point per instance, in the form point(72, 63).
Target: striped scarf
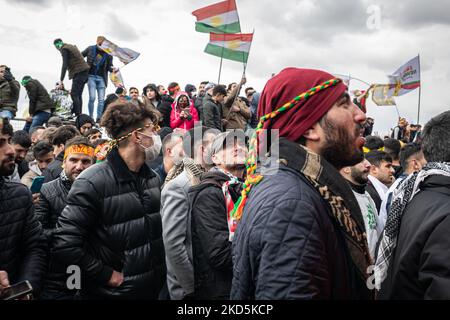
point(402, 196)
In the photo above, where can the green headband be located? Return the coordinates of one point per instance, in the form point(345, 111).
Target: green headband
point(25, 81)
point(59, 44)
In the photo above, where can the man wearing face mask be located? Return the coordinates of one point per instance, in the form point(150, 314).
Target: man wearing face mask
point(78, 156)
point(111, 226)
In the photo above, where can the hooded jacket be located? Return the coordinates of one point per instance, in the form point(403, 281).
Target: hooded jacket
point(34, 171)
point(211, 248)
point(176, 121)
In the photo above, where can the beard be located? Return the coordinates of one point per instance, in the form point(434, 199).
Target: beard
point(359, 177)
point(7, 169)
point(340, 146)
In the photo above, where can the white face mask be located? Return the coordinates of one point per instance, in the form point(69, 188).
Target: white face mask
point(151, 153)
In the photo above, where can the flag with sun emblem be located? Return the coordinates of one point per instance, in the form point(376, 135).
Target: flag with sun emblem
point(221, 17)
point(230, 46)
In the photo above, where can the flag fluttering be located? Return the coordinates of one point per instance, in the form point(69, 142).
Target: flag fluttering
point(382, 96)
point(234, 47)
point(123, 54)
point(406, 78)
point(116, 79)
point(221, 17)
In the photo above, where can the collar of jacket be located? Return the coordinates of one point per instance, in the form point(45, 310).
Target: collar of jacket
point(121, 170)
point(60, 156)
point(292, 155)
point(358, 188)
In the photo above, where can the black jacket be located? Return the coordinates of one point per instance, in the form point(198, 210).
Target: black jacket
point(374, 195)
point(54, 168)
point(165, 108)
point(112, 222)
point(420, 266)
point(212, 113)
point(51, 203)
point(287, 246)
point(22, 246)
point(211, 249)
point(106, 67)
point(198, 104)
point(39, 97)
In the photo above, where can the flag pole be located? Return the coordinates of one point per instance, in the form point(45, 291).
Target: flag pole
point(249, 49)
point(420, 90)
point(220, 68)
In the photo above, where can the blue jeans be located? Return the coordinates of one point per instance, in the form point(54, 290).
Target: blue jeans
point(39, 119)
point(96, 83)
point(6, 114)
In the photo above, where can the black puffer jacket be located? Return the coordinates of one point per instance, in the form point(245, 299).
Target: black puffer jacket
point(165, 108)
point(51, 203)
point(211, 248)
point(287, 246)
point(112, 222)
point(420, 266)
point(22, 244)
point(39, 98)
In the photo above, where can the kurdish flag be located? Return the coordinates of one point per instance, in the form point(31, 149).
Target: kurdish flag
point(221, 17)
point(230, 46)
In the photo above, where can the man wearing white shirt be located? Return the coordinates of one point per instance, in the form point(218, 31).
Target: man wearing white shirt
point(381, 176)
point(357, 177)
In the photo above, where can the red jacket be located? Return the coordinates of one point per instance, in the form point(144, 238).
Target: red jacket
point(176, 121)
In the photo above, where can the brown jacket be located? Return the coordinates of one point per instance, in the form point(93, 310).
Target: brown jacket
point(235, 120)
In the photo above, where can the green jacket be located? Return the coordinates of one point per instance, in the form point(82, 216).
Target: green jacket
point(39, 97)
point(76, 63)
point(9, 95)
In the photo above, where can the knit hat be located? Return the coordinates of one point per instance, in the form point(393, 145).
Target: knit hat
point(82, 119)
point(288, 84)
point(210, 85)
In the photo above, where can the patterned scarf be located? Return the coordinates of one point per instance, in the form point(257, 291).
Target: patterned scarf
point(402, 196)
point(333, 188)
point(193, 171)
point(229, 202)
point(65, 180)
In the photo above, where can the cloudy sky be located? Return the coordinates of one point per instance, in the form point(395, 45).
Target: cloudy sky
point(344, 37)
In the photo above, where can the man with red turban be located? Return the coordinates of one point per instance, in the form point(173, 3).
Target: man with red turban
point(300, 232)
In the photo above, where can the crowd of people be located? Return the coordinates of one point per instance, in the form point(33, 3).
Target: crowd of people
point(177, 204)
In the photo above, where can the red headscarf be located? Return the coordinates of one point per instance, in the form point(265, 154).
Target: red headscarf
point(290, 83)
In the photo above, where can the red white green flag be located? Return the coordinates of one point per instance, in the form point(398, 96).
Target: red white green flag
point(230, 46)
point(406, 78)
point(221, 17)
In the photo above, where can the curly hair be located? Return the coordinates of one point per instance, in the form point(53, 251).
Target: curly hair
point(123, 117)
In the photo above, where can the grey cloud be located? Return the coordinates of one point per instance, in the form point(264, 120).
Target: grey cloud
point(121, 29)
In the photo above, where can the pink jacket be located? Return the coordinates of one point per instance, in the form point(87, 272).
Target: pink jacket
point(176, 121)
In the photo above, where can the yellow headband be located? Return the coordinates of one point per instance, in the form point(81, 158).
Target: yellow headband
point(367, 150)
point(79, 148)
